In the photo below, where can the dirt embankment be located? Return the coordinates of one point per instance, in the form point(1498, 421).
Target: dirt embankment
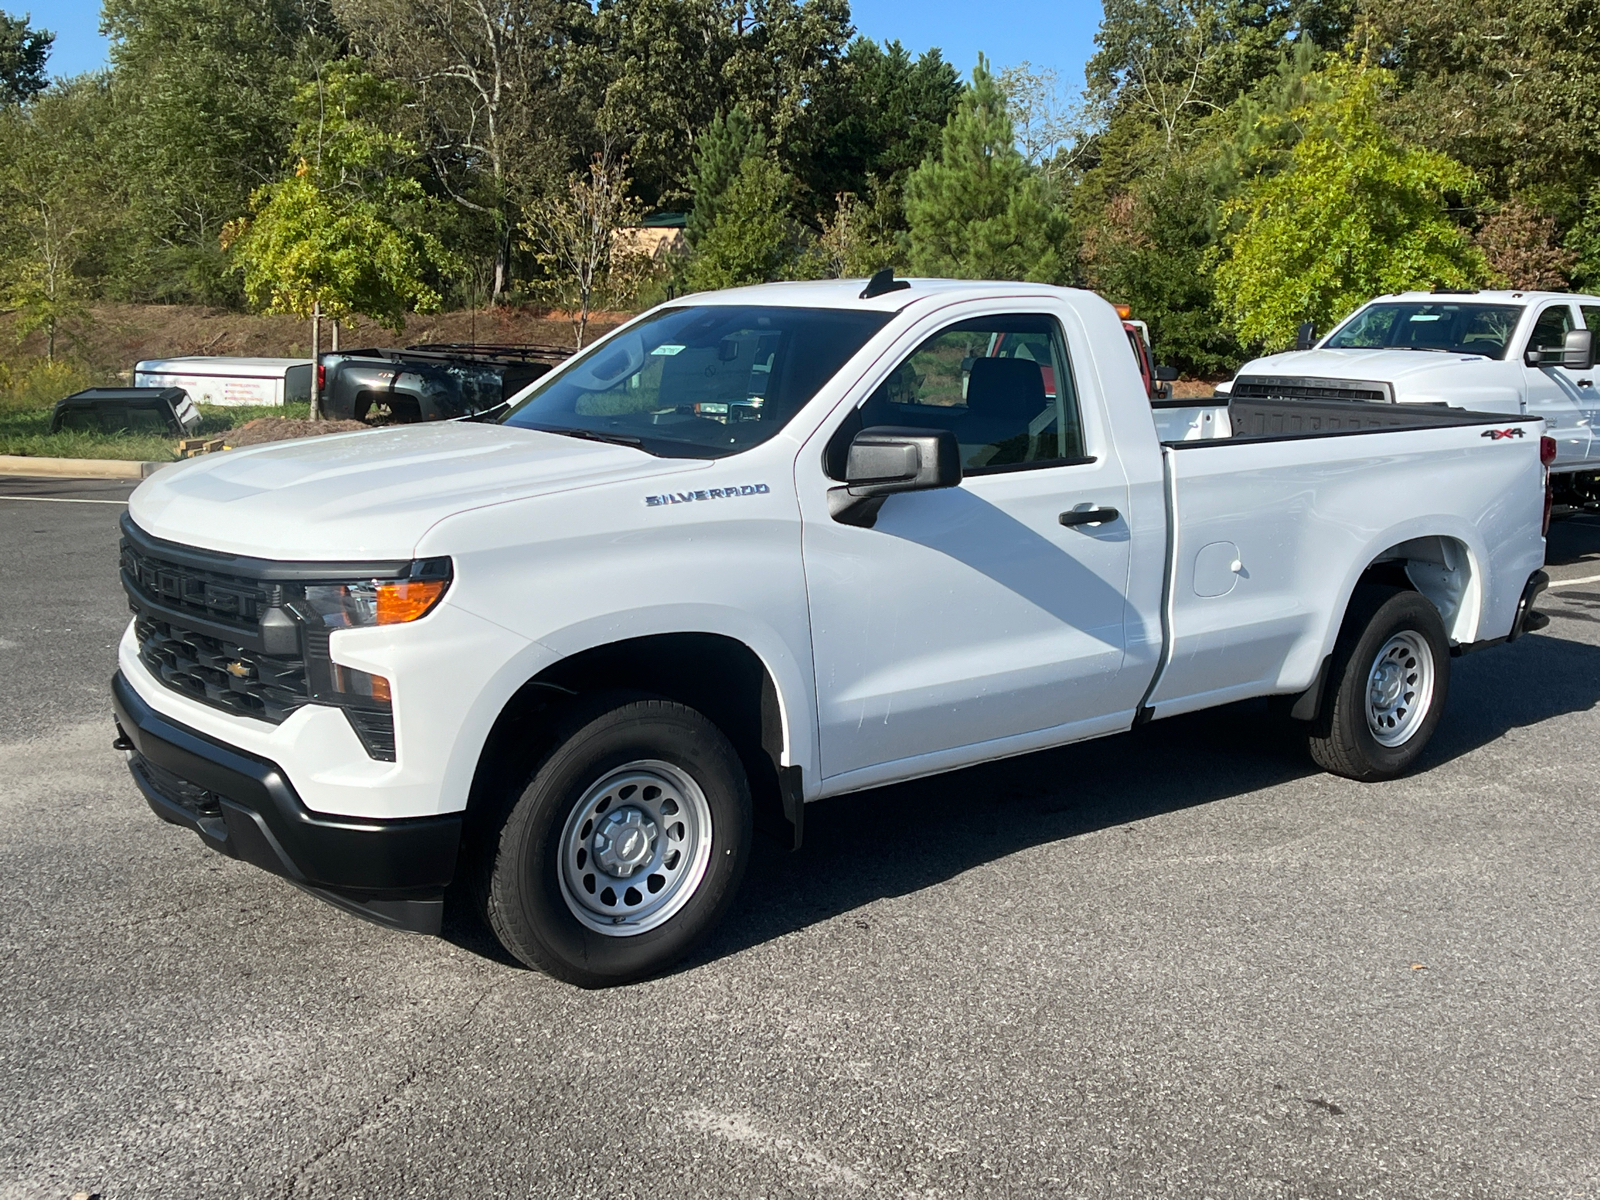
point(115, 336)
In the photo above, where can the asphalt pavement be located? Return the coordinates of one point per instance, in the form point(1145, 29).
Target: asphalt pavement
point(1176, 963)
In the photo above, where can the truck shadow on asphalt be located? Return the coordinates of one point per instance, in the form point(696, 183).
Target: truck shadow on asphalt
point(891, 841)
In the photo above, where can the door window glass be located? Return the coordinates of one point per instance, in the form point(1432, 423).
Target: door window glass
point(1591, 318)
point(1550, 332)
point(1002, 385)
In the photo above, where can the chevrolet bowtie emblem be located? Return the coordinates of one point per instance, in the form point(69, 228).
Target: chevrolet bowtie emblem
point(238, 670)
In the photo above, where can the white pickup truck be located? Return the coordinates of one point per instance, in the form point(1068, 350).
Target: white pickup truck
point(764, 546)
point(1524, 354)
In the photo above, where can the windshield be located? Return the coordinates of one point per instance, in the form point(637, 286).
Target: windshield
point(1456, 328)
point(699, 382)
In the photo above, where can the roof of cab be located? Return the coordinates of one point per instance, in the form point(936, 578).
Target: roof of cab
point(1501, 296)
point(846, 293)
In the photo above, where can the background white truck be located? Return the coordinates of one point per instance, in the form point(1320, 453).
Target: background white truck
point(1525, 354)
point(765, 546)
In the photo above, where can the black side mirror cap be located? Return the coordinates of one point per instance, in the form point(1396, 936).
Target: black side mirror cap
point(1305, 337)
point(1166, 374)
point(1576, 353)
point(886, 459)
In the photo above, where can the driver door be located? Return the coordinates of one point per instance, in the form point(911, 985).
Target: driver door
point(967, 616)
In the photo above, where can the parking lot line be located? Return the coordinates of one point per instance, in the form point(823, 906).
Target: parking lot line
point(1575, 582)
point(60, 500)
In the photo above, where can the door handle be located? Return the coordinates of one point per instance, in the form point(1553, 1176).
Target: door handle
point(1089, 516)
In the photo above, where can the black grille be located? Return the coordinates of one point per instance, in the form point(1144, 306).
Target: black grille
point(1264, 387)
point(220, 673)
point(208, 595)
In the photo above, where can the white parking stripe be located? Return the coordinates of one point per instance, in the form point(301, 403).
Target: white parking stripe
point(1574, 582)
point(60, 500)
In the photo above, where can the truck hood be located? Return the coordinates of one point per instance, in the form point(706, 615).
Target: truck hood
point(1392, 366)
point(370, 494)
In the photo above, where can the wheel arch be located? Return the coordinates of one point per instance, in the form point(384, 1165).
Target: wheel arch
point(1442, 567)
point(716, 674)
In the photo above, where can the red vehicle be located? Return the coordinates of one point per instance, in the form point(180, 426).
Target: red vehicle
point(1157, 379)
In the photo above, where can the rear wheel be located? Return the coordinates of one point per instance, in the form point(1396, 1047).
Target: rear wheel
point(625, 848)
point(1391, 674)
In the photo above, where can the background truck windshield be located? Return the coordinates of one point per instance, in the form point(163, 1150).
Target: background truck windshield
point(1457, 328)
point(699, 382)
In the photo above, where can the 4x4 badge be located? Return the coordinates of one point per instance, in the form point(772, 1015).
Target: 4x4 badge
point(1494, 435)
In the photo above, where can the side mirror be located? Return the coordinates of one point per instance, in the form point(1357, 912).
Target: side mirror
point(886, 459)
point(1576, 352)
point(1166, 374)
point(1306, 336)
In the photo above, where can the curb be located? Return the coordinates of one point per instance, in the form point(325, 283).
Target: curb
point(77, 468)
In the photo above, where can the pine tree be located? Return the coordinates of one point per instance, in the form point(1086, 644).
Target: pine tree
point(727, 143)
point(752, 238)
point(976, 209)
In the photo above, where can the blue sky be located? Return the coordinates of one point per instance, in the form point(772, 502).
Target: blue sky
point(1047, 33)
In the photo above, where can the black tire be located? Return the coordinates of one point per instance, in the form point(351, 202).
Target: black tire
point(1344, 741)
point(520, 880)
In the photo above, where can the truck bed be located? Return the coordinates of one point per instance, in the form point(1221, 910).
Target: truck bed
point(1190, 422)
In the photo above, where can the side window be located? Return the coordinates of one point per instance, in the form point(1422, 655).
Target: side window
point(1591, 318)
point(1002, 385)
point(1550, 332)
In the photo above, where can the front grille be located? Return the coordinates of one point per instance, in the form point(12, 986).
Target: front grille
point(222, 674)
point(1265, 387)
point(249, 646)
point(208, 595)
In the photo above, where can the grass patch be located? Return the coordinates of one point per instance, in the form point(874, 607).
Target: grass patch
point(26, 430)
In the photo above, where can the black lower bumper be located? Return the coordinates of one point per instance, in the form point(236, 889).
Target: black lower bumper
point(392, 872)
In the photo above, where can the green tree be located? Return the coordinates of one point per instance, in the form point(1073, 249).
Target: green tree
point(1512, 89)
point(575, 236)
point(975, 209)
point(23, 51)
point(499, 113)
point(859, 240)
point(350, 232)
point(203, 95)
point(1354, 214)
point(55, 204)
point(871, 122)
point(752, 239)
point(721, 153)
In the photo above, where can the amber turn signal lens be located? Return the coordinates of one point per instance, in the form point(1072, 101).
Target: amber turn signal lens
point(401, 602)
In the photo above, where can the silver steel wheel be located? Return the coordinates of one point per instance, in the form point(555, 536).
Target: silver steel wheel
point(1400, 688)
point(635, 848)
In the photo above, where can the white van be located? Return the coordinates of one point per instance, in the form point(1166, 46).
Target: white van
point(229, 381)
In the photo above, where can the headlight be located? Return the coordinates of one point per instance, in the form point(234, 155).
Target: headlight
point(322, 609)
point(365, 602)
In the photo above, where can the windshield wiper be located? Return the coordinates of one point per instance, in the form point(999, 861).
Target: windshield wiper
point(483, 414)
point(593, 435)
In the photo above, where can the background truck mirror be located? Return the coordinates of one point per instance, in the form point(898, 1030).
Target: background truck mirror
point(1166, 374)
point(1577, 354)
point(1306, 336)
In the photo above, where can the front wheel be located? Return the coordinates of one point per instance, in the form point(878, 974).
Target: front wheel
point(625, 848)
point(1391, 673)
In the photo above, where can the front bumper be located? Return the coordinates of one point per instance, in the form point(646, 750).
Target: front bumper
point(393, 872)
